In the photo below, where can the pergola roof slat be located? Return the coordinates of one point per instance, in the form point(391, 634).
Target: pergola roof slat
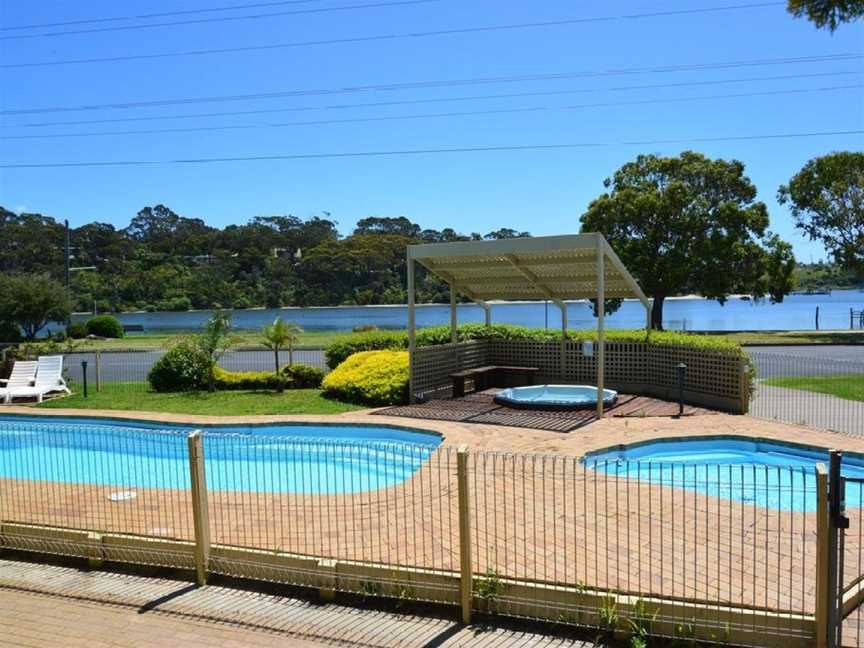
point(552, 267)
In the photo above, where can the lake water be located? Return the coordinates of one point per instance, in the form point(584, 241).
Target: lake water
point(797, 312)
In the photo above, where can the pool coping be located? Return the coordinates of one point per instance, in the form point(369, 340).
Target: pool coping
point(858, 455)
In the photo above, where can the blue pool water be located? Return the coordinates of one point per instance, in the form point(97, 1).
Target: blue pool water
point(773, 475)
point(284, 458)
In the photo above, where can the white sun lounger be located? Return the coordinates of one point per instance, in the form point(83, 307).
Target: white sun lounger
point(49, 378)
point(23, 375)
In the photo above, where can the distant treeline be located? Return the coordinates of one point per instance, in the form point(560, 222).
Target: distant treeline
point(164, 261)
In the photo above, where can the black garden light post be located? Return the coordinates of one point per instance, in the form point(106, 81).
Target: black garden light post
point(84, 374)
point(681, 369)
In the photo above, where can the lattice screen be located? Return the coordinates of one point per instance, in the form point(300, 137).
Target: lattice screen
point(712, 378)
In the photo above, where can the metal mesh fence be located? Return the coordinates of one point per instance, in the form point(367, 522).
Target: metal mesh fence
point(809, 390)
point(722, 535)
point(105, 480)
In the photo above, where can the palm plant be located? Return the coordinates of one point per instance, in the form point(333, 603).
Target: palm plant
point(282, 335)
point(214, 341)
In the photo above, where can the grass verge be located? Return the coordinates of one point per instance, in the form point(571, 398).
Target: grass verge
point(137, 397)
point(846, 386)
point(146, 341)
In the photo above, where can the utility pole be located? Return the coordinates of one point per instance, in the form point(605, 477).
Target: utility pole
point(67, 250)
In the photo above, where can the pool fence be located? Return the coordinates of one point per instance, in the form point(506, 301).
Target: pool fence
point(729, 554)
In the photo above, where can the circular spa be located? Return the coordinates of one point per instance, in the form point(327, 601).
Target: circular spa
point(554, 396)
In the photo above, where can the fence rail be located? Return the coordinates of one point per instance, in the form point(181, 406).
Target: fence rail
point(720, 553)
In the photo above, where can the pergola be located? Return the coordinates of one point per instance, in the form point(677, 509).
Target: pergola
point(553, 268)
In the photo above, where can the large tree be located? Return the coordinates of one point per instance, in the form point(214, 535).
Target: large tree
point(31, 301)
point(690, 224)
point(827, 13)
point(827, 201)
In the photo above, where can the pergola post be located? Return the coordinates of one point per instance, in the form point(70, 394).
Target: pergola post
point(412, 343)
point(563, 306)
point(454, 324)
point(648, 308)
point(601, 324)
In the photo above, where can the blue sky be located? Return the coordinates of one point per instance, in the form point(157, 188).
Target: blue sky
point(544, 191)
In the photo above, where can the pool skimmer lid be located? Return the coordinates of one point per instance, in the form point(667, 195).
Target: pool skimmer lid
point(122, 496)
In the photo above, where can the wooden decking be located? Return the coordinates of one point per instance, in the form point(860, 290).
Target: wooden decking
point(481, 408)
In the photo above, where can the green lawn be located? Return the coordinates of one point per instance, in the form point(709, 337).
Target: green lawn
point(797, 337)
point(848, 386)
point(145, 341)
point(137, 397)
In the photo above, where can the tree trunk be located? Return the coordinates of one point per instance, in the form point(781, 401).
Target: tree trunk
point(657, 313)
point(290, 355)
point(276, 358)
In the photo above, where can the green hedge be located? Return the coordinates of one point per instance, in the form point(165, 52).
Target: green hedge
point(370, 378)
point(248, 380)
point(293, 377)
point(345, 345)
point(106, 326)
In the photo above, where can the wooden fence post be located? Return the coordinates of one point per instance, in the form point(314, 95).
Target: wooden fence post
point(98, 371)
point(466, 569)
point(200, 513)
point(822, 558)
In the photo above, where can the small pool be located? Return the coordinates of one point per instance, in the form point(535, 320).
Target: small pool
point(281, 458)
point(771, 474)
point(554, 396)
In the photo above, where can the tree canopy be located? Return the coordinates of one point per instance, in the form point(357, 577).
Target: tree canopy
point(167, 261)
point(31, 301)
point(827, 201)
point(690, 224)
point(827, 13)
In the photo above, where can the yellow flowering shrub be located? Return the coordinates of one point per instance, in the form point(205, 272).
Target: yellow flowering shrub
point(371, 378)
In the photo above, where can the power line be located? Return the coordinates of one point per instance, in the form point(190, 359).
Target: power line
point(215, 19)
point(435, 100)
point(163, 14)
point(415, 85)
point(427, 151)
point(391, 37)
point(352, 120)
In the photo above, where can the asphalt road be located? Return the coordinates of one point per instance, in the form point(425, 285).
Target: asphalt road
point(772, 362)
point(133, 367)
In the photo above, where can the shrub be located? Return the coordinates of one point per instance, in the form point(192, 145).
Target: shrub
point(76, 331)
point(106, 326)
point(303, 376)
point(344, 346)
point(184, 367)
point(370, 378)
point(364, 328)
point(233, 380)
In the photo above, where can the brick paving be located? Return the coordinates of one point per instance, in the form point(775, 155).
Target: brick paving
point(49, 605)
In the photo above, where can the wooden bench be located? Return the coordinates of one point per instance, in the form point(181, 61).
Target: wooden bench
point(133, 328)
point(494, 376)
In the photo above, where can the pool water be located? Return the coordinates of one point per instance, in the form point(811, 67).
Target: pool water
point(768, 474)
point(285, 458)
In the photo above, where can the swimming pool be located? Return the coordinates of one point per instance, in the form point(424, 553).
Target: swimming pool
point(275, 458)
point(771, 474)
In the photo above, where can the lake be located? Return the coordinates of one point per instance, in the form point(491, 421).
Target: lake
point(797, 312)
